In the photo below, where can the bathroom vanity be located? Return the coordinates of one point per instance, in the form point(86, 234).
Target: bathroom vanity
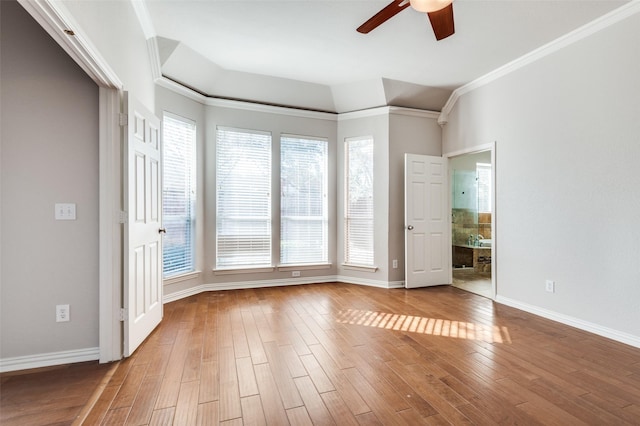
point(466, 256)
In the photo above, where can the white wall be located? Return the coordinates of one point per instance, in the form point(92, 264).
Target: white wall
point(49, 144)
point(568, 188)
point(114, 30)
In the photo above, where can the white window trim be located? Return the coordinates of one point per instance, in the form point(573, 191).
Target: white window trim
point(361, 268)
point(247, 270)
point(347, 265)
point(304, 267)
point(326, 189)
point(182, 277)
point(195, 272)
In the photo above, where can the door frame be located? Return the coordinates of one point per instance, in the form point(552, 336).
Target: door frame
point(494, 246)
point(111, 226)
point(55, 18)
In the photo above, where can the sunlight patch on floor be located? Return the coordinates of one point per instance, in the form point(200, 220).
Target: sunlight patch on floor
point(424, 325)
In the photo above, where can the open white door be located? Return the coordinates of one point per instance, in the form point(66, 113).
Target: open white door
point(142, 291)
point(427, 249)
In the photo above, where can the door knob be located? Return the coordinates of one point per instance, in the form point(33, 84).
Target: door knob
point(162, 231)
point(410, 227)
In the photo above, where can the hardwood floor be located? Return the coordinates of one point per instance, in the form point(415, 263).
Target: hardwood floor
point(475, 282)
point(352, 355)
point(49, 396)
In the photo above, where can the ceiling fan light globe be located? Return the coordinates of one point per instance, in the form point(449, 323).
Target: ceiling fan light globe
point(428, 6)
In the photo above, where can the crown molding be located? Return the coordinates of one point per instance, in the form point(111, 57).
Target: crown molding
point(289, 111)
point(412, 112)
point(55, 19)
point(149, 31)
point(370, 112)
point(270, 109)
point(154, 58)
point(178, 88)
point(568, 39)
point(386, 110)
point(144, 18)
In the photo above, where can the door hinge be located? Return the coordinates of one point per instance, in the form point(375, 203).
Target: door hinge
point(124, 119)
point(123, 314)
point(123, 217)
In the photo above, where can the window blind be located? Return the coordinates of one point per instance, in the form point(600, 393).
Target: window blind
point(359, 202)
point(303, 200)
point(178, 195)
point(243, 195)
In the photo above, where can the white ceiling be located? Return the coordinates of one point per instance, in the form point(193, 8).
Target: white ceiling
point(314, 44)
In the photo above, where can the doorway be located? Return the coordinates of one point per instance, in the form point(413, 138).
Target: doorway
point(472, 186)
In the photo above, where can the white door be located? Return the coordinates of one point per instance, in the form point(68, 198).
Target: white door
point(143, 239)
point(427, 247)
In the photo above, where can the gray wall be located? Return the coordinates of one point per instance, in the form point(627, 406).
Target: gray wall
point(277, 124)
point(414, 135)
point(376, 126)
point(394, 134)
point(49, 144)
point(568, 184)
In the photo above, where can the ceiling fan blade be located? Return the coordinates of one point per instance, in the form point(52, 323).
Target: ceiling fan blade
point(384, 15)
point(442, 22)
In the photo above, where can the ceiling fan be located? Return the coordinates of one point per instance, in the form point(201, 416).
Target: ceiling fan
point(440, 14)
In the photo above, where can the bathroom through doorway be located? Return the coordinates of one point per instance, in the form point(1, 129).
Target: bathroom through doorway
point(472, 181)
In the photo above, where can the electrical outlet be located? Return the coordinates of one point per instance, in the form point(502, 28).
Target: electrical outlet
point(62, 313)
point(295, 274)
point(550, 286)
point(395, 263)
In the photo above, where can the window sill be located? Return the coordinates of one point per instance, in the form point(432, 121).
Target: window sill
point(362, 268)
point(244, 270)
point(304, 267)
point(182, 277)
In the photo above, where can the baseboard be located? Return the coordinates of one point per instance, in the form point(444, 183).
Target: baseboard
point(49, 359)
point(172, 297)
point(369, 283)
point(609, 333)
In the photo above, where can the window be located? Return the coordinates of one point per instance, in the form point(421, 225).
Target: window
point(303, 202)
point(243, 198)
point(178, 195)
point(483, 172)
point(359, 202)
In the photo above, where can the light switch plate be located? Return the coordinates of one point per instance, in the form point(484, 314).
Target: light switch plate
point(65, 211)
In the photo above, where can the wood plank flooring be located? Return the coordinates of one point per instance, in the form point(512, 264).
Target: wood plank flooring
point(351, 355)
point(52, 395)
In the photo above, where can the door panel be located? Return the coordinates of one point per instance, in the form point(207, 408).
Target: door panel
point(155, 194)
point(143, 245)
point(426, 221)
